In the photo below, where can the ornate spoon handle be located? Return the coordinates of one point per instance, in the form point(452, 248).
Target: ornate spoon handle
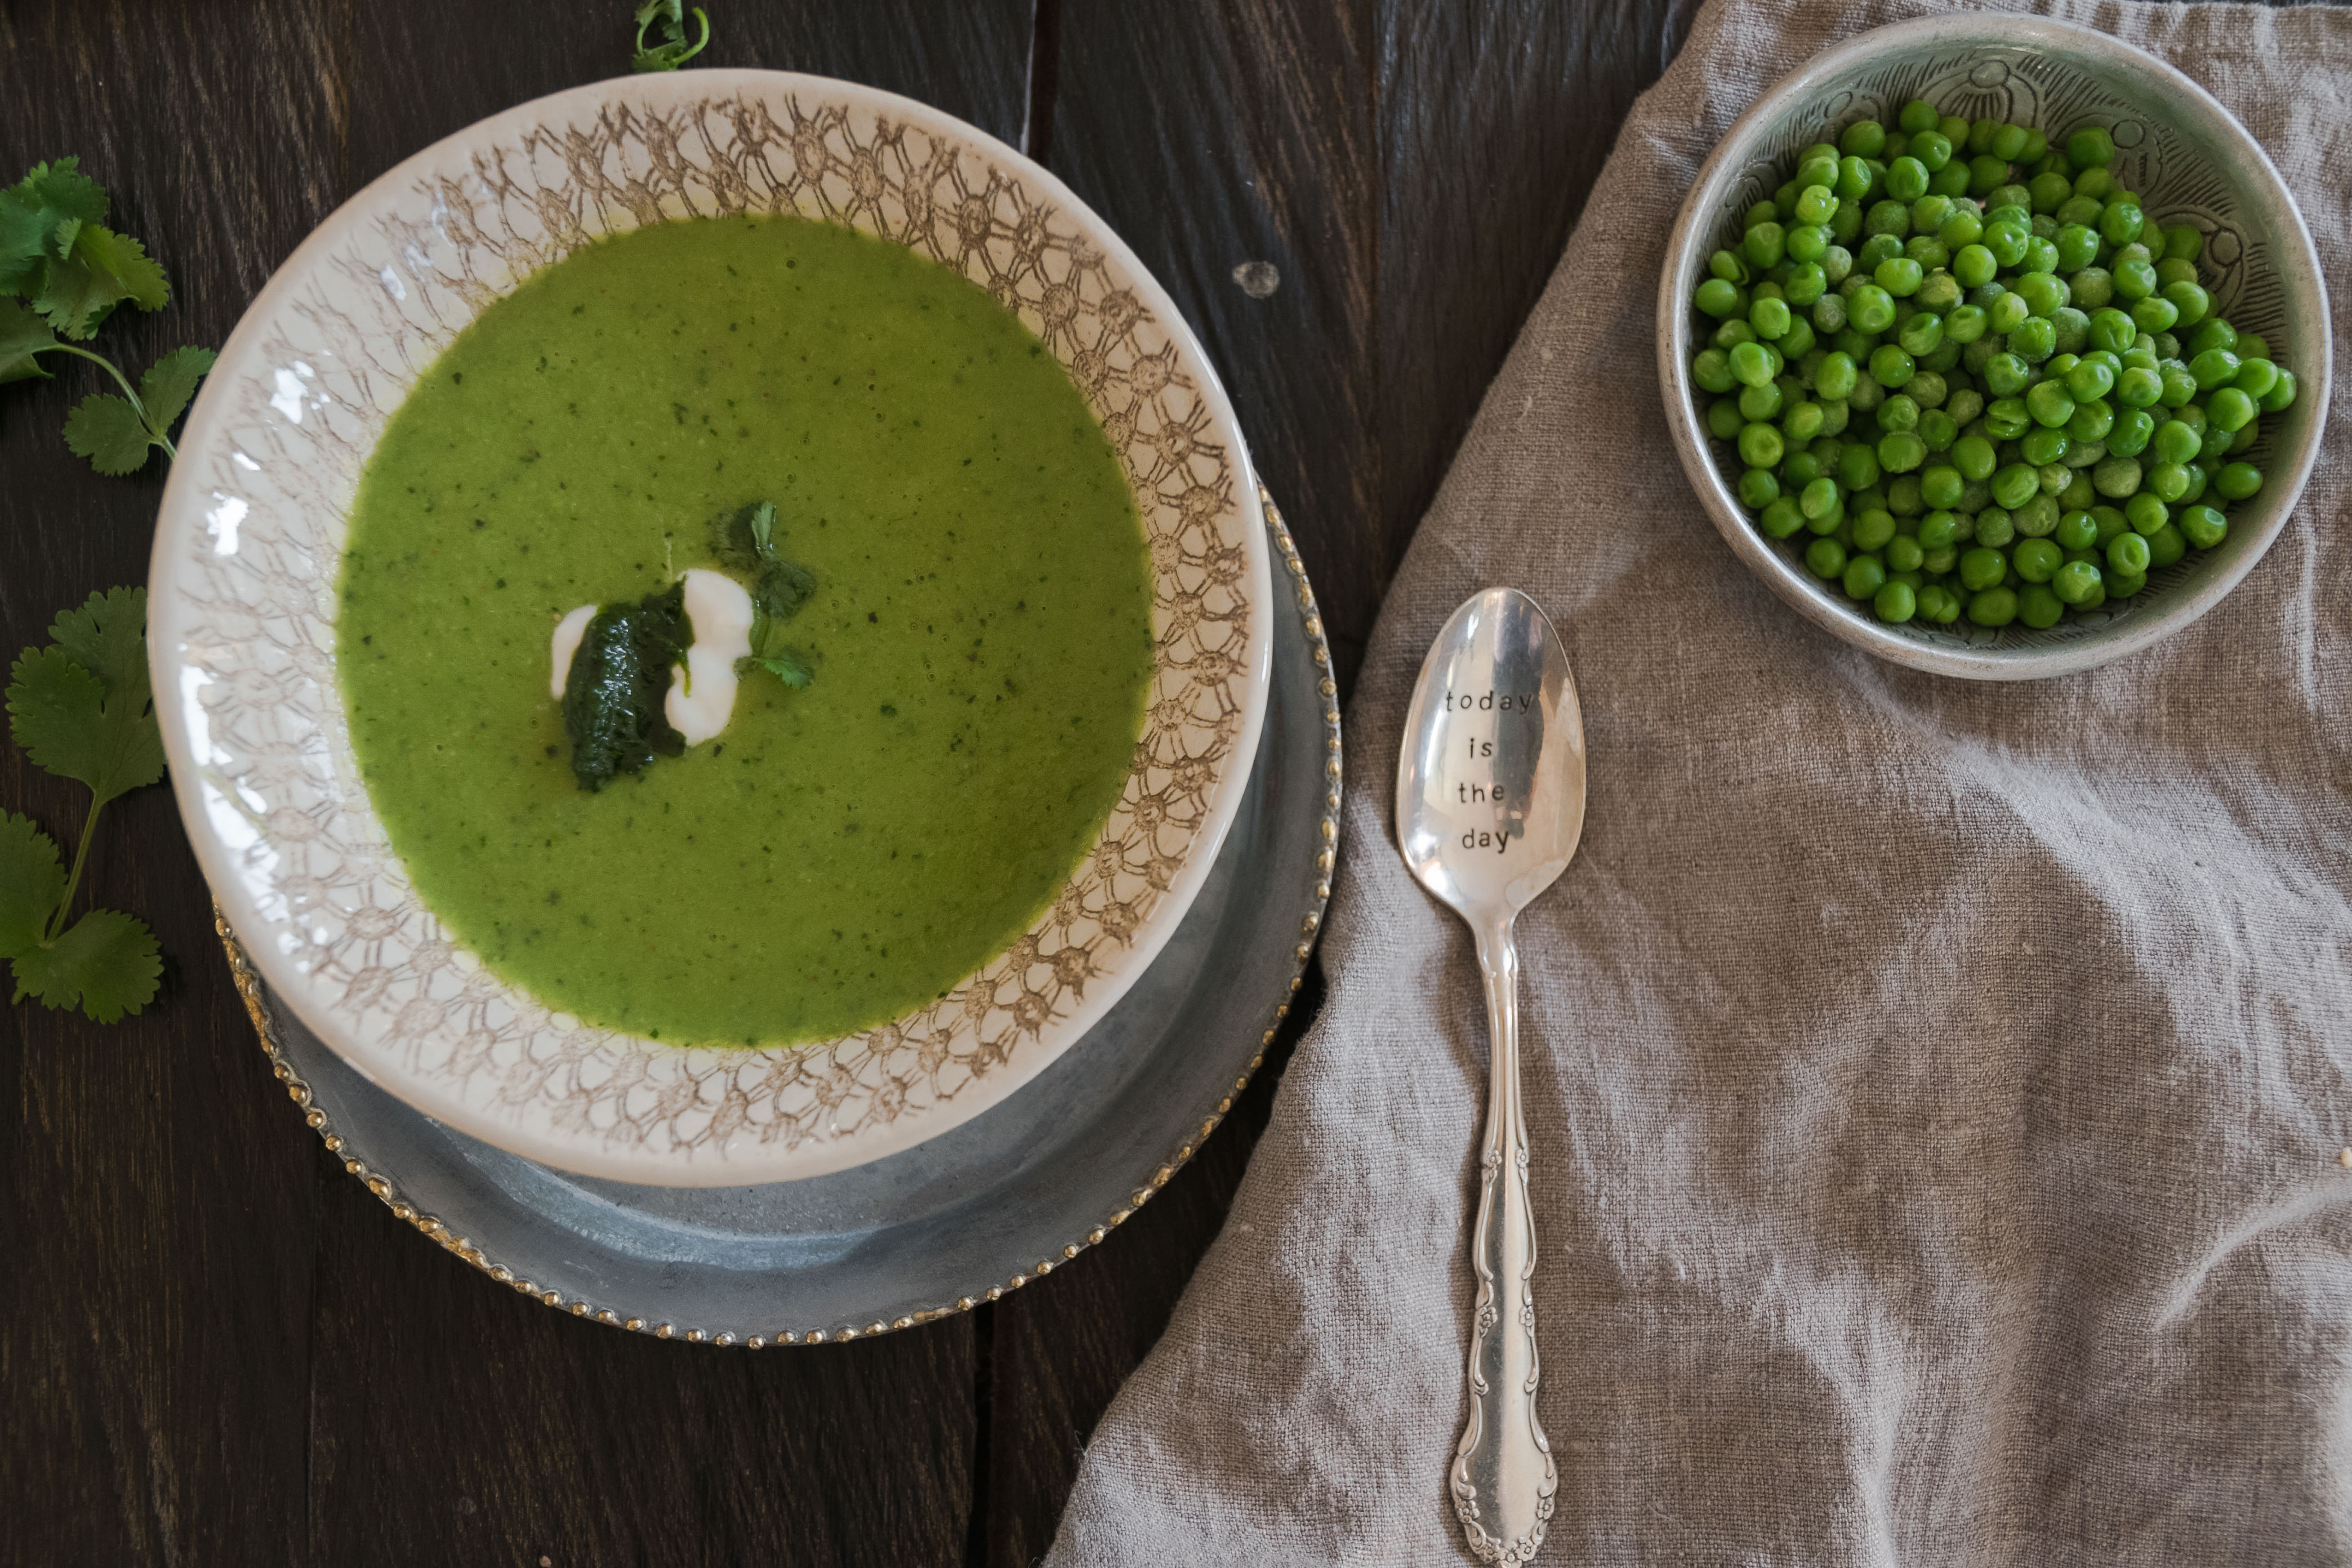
point(1503, 1478)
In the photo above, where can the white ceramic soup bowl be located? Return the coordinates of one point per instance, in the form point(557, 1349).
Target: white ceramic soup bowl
point(242, 605)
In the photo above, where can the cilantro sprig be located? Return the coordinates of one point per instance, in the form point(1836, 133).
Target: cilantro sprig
point(777, 592)
point(62, 271)
point(81, 709)
point(672, 52)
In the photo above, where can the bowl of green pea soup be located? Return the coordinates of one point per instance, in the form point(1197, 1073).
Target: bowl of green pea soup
point(713, 626)
point(1994, 345)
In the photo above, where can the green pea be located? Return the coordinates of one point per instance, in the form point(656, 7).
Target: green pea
point(1890, 366)
point(2033, 340)
point(2043, 447)
point(2282, 393)
point(2238, 481)
point(2165, 546)
point(1863, 139)
point(1939, 604)
point(2036, 558)
point(2155, 314)
point(2256, 377)
point(2147, 512)
point(1820, 498)
point(1723, 419)
point(1939, 430)
point(2038, 607)
point(1901, 452)
point(1751, 364)
point(1835, 375)
point(2013, 485)
point(1864, 576)
point(1770, 317)
point(1760, 402)
point(2088, 379)
point(1937, 529)
point(2216, 333)
point(2203, 526)
point(1858, 467)
point(1818, 204)
point(2120, 222)
point(2091, 423)
point(1905, 554)
point(1974, 457)
point(2094, 287)
point(1903, 495)
point(2117, 478)
point(1983, 567)
point(1993, 607)
point(2128, 556)
point(2129, 437)
point(1760, 445)
point(1899, 275)
point(2049, 404)
point(1825, 558)
point(2176, 442)
point(2190, 300)
point(1711, 369)
point(2164, 482)
point(1758, 488)
point(2230, 409)
point(1764, 244)
point(2247, 434)
point(1941, 488)
point(2043, 293)
point(1717, 297)
point(1907, 179)
point(1940, 562)
point(2251, 345)
point(2179, 388)
point(2123, 585)
point(2004, 374)
point(2214, 367)
point(2197, 481)
point(1922, 335)
point(2038, 518)
point(1871, 308)
point(2077, 530)
point(2073, 582)
point(2006, 418)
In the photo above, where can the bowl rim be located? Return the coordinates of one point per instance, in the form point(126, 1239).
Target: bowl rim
point(180, 519)
point(2298, 264)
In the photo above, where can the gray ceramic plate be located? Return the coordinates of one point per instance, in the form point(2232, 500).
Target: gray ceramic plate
point(962, 1218)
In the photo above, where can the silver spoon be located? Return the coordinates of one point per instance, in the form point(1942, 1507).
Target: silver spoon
point(1490, 804)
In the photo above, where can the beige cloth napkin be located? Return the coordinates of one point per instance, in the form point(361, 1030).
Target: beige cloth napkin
point(1935, 1088)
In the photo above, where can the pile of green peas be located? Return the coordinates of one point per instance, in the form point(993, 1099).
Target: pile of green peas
point(1966, 363)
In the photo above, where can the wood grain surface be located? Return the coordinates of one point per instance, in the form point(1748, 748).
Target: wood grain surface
point(217, 1348)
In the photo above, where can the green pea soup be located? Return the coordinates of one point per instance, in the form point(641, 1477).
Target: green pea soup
point(981, 630)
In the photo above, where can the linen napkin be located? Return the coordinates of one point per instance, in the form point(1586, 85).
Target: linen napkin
point(1935, 1089)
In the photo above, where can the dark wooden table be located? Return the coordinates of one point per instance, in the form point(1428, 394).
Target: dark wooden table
point(217, 1348)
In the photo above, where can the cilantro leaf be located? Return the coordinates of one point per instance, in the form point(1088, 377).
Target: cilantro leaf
point(32, 880)
point(107, 961)
point(77, 298)
point(108, 637)
point(783, 588)
point(125, 260)
point(92, 721)
point(24, 245)
point(171, 380)
point(107, 430)
point(63, 190)
point(785, 664)
point(23, 335)
point(673, 52)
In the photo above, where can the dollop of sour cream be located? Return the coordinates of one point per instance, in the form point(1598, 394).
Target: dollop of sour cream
point(702, 691)
point(702, 695)
point(568, 633)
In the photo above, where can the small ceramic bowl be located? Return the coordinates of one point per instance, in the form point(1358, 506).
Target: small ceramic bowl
point(2189, 161)
point(242, 599)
